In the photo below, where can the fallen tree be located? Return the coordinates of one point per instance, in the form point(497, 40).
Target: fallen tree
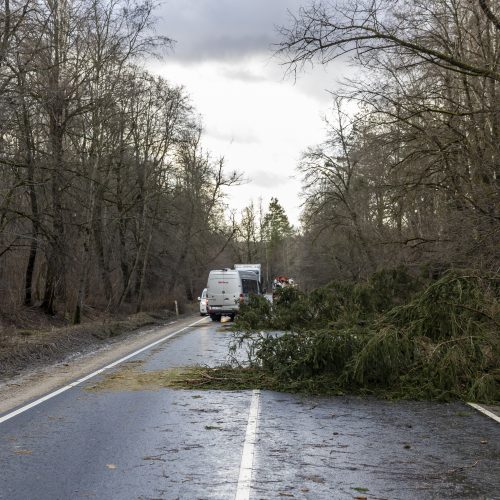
point(392, 336)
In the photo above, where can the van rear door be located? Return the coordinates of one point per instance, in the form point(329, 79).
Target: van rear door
point(223, 289)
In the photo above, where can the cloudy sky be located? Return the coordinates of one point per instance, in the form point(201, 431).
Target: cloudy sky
point(256, 118)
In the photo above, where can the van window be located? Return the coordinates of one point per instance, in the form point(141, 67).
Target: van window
point(249, 286)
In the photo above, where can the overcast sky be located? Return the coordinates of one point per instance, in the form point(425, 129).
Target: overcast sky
point(253, 116)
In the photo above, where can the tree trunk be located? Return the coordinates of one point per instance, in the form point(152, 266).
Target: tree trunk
point(101, 256)
point(35, 222)
point(56, 265)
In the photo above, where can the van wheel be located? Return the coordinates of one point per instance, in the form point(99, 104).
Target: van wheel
point(214, 317)
point(231, 317)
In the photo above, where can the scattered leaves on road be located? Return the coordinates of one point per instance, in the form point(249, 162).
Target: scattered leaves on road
point(158, 458)
point(314, 478)
point(23, 452)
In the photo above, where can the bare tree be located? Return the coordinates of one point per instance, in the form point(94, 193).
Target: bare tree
point(115, 37)
point(420, 173)
point(325, 31)
point(332, 182)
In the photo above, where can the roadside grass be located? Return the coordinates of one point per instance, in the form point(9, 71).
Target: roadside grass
point(27, 347)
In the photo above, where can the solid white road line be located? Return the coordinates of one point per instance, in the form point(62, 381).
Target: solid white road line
point(488, 413)
point(88, 377)
point(247, 457)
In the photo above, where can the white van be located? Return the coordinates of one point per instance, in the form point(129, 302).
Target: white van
point(227, 289)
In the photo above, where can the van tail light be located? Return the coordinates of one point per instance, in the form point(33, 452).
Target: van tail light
point(242, 297)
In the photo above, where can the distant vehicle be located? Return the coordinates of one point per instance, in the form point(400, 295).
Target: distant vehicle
point(227, 289)
point(203, 303)
point(281, 282)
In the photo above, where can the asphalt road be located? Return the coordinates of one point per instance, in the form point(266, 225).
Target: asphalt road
point(168, 444)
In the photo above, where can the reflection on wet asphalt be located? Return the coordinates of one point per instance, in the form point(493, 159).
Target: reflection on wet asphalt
point(168, 444)
point(345, 447)
point(177, 444)
point(209, 346)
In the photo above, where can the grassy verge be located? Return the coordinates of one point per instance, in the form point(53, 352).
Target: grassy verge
point(29, 347)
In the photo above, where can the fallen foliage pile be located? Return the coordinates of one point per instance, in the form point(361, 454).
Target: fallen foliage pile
point(393, 336)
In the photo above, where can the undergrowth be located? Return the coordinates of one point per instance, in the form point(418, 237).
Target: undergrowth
point(394, 336)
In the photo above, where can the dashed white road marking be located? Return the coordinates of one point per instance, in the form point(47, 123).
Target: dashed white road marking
point(93, 374)
point(488, 413)
point(247, 457)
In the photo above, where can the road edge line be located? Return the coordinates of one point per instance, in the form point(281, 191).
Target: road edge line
point(55, 393)
point(247, 456)
point(484, 411)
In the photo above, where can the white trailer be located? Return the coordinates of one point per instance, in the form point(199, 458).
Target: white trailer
point(256, 268)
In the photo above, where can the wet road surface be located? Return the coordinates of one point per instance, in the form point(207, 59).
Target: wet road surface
point(168, 444)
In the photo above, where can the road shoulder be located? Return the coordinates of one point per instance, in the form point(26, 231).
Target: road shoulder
point(35, 383)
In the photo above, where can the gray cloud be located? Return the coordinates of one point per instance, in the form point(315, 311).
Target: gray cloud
point(238, 73)
point(230, 31)
point(223, 29)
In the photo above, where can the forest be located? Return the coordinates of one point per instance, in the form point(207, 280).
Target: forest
point(411, 178)
point(108, 199)
point(110, 202)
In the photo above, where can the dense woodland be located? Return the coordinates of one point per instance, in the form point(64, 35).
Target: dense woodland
point(108, 200)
